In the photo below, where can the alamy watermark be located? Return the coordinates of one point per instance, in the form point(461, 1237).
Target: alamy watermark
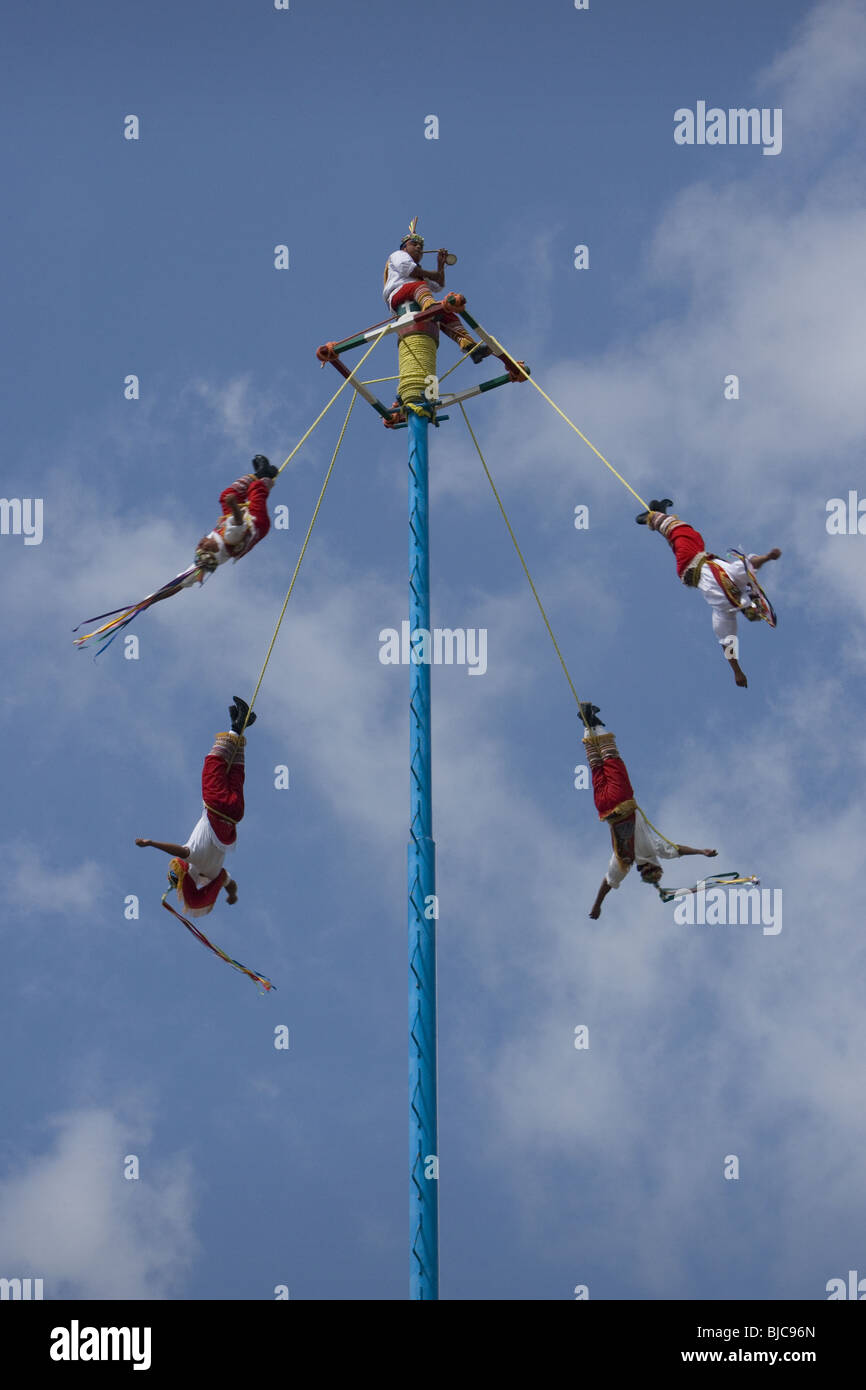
point(22, 516)
point(443, 646)
point(854, 1287)
point(20, 1289)
point(77, 1343)
point(846, 518)
point(736, 126)
point(718, 906)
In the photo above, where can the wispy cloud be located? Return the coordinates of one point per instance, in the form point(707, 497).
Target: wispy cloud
point(71, 1218)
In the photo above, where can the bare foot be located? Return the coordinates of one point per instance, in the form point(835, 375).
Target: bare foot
point(739, 674)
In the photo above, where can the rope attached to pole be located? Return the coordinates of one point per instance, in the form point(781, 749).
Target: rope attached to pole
point(340, 389)
point(525, 566)
point(591, 732)
point(302, 554)
point(526, 377)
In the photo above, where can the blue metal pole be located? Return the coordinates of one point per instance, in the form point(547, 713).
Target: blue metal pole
point(423, 1139)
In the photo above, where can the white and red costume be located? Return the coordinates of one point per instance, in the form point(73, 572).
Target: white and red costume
point(250, 495)
point(632, 837)
point(201, 877)
point(404, 280)
point(723, 583)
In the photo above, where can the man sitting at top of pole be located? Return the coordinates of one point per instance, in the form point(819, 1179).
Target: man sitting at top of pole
point(405, 279)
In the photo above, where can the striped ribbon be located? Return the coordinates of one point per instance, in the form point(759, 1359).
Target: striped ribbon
point(257, 980)
point(122, 617)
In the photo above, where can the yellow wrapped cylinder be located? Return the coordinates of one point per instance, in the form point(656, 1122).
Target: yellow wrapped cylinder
point(417, 363)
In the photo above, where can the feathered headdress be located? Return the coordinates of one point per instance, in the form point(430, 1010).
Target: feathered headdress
point(413, 234)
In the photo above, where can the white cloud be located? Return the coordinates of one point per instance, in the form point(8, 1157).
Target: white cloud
point(32, 883)
point(69, 1217)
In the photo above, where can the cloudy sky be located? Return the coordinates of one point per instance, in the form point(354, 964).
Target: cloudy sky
point(559, 1166)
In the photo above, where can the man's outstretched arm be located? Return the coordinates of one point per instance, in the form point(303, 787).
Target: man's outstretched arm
point(760, 560)
point(687, 849)
point(599, 898)
point(176, 851)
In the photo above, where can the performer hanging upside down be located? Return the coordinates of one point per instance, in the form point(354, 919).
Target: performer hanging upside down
point(633, 838)
point(724, 584)
point(196, 869)
point(244, 522)
point(406, 279)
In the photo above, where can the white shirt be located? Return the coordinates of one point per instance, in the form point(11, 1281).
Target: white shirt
point(206, 852)
point(649, 848)
point(710, 588)
point(400, 271)
point(724, 615)
point(233, 534)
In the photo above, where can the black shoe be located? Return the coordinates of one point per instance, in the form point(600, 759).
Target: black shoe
point(654, 506)
point(588, 713)
point(263, 468)
point(479, 353)
point(239, 713)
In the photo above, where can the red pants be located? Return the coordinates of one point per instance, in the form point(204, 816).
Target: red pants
point(254, 492)
point(222, 791)
point(448, 321)
point(610, 785)
point(686, 543)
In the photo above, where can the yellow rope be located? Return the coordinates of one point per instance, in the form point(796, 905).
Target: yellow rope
point(592, 734)
point(376, 340)
point(586, 441)
point(656, 829)
point(300, 557)
point(377, 380)
point(458, 363)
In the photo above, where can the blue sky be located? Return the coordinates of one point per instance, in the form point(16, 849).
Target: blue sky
point(559, 1167)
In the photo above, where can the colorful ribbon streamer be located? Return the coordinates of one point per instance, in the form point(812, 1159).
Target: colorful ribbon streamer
point(251, 974)
point(122, 617)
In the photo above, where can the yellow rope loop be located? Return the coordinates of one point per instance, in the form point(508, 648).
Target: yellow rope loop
point(526, 572)
point(588, 442)
point(342, 388)
point(300, 557)
point(416, 357)
point(656, 829)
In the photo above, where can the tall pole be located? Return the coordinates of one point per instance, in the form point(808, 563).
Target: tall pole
point(423, 911)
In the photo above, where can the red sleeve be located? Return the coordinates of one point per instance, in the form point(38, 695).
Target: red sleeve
point(238, 492)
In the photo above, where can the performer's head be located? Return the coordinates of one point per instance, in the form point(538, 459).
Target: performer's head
point(413, 242)
point(210, 552)
point(650, 873)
